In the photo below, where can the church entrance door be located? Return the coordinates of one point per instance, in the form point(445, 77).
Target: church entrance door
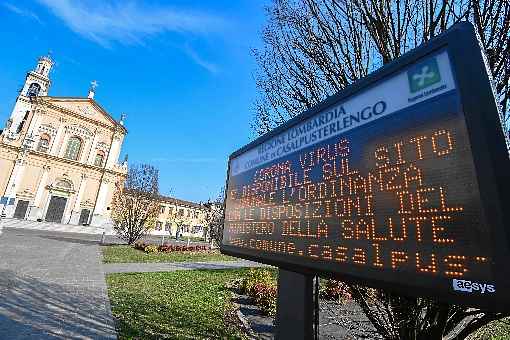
point(21, 209)
point(56, 209)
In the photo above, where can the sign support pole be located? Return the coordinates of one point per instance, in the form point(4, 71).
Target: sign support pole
point(294, 314)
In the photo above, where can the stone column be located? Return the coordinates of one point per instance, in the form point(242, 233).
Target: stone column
point(114, 153)
point(101, 198)
point(92, 154)
point(37, 209)
point(14, 182)
point(34, 124)
point(16, 176)
point(76, 211)
point(87, 145)
point(57, 145)
point(98, 219)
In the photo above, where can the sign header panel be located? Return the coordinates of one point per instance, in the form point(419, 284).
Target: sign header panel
point(423, 81)
point(382, 187)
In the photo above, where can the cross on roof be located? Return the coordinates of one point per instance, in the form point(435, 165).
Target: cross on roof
point(94, 84)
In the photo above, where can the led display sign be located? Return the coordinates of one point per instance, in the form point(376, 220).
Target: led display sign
point(392, 183)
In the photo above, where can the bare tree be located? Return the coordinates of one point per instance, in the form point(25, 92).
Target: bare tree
point(315, 48)
point(215, 217)
point(135, 204)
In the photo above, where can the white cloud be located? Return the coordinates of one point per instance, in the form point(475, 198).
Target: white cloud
point(211, 67)
point(22, 12)
point(128, 22)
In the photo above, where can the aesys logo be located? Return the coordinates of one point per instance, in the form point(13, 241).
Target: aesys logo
point(423, 75)
point(470, 287)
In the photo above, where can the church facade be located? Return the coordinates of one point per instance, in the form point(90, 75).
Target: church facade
point(59, 156)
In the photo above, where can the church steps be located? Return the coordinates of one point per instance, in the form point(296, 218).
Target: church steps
point(46, 226)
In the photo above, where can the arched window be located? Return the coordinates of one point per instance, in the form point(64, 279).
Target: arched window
point(33, 90)
point(44, 143)
point(64, 184)
point(99, 159)
point(73, 148)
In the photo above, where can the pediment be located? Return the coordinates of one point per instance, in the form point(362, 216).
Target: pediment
point(84, 107)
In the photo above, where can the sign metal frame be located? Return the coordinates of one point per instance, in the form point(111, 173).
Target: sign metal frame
point(489, 153)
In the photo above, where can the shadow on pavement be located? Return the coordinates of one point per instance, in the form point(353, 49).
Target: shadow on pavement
point(31, 309)
point(71, 240)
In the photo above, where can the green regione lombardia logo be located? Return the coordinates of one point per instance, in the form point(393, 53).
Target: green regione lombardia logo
point(423, 75)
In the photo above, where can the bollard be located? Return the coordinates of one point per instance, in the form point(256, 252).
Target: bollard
point(188, 241)
point(163, 240)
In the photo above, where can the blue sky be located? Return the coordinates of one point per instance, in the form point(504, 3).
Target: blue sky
point(181, 70)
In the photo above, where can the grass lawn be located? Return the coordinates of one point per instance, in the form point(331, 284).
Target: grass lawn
point(496, 330)
point(128, 254)
point(174, 305)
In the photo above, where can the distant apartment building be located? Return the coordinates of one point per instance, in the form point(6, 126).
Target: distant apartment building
point(179, 217)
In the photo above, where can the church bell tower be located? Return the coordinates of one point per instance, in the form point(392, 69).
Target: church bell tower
point(37, 83)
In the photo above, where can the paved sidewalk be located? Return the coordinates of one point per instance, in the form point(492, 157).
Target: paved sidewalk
point(52, 286)
point(111, 268)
